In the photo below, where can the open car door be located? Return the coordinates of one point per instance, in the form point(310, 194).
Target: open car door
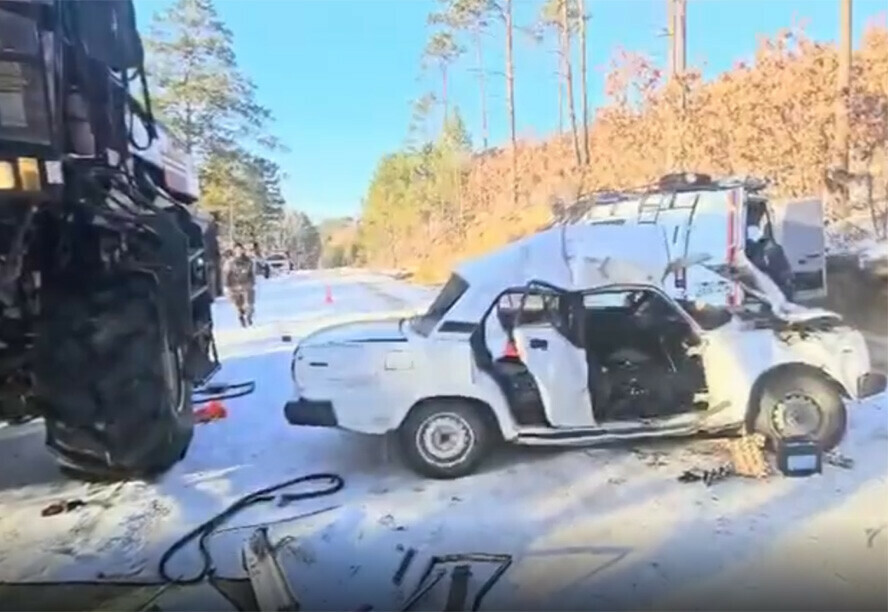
point(541, 332)
point(799, 229)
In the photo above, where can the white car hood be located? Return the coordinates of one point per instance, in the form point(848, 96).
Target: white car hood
point(375, 330)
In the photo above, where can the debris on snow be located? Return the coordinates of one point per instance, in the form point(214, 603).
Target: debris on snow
point(62, 506)
point(748, 456)
point(872, 533)
point(837, 459)
point(707, 476)
point(398, 578)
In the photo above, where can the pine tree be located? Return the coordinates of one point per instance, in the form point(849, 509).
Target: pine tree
point(441, 51)
point(198, 89)
point(472, 18)
point(203, 97)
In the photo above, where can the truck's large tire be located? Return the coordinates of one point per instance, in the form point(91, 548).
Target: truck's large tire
point(110, 383)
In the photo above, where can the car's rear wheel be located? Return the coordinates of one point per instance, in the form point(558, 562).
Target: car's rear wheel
point(446, 438)
point(801, 403)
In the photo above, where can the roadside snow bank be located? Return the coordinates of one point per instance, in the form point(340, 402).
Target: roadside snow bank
point(852, 235)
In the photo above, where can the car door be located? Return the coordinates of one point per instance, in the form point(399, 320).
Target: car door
point(798, 228)
point(557, 364)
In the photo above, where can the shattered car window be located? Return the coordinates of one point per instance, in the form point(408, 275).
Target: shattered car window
point(454, 289)
point(537, 308)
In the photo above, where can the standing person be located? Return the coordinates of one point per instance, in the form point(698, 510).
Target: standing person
point(240, 281)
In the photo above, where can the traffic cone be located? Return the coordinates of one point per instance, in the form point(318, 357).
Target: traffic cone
point(510, 351)
point(328, 295)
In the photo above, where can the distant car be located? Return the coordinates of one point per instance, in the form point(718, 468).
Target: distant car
point(261, 267)
point(574, 337)
point(278, 263)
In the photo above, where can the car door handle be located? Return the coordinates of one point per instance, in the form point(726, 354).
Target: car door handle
point(539, 343)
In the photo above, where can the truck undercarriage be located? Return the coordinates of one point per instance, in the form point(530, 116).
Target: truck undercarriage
point(105, 320)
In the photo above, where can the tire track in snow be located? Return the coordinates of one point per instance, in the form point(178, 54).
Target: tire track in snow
point(388, 298)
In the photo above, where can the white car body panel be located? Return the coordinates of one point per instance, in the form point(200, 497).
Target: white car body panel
point(561, 373)
point(376, 373)
point(373, 372)
point(735, 357)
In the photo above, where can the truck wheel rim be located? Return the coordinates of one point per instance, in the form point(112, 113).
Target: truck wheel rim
point(797, 415)
point(445, 439)
point(173, 379)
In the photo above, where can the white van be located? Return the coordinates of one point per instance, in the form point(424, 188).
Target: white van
point(725, 219)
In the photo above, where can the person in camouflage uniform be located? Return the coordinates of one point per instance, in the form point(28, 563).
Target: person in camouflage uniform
point(240, 282)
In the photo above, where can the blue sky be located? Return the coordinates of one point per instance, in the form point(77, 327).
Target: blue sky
point(339, 75)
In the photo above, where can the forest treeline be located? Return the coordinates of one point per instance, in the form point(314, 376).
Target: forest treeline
point(451, 193)
point(441, 198)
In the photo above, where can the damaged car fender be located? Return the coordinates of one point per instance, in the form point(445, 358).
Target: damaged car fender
point(448, 372)
point(740, 359)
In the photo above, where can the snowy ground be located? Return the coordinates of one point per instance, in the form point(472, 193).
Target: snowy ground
point(605, 528)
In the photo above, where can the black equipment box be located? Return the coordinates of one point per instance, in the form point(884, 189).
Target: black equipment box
point(799, 456)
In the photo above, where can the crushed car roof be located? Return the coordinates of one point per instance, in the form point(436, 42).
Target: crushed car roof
point(587, 257)
point(560, 256)
point(573, 258)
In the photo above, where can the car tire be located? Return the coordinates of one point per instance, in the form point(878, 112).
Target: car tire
point(111, 384)
point(445, 438)
point(799, 402)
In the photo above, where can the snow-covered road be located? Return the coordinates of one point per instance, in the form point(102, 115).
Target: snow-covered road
point(604, 528)
point(125, 527)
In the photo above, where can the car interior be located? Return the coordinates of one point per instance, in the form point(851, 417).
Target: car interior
point(637, 353)
point(636, 347)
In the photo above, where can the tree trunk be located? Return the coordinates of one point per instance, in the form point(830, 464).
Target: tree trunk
point(479, 50)
point(560, 99)
point(581, 6)
point(510, 97)
point(568, 78)
point(842, 156)
point(444, 91)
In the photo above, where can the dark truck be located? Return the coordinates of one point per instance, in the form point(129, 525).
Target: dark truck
point(105, 318)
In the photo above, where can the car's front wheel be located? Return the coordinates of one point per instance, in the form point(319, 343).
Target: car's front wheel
point(445, 438)
point(801, 403)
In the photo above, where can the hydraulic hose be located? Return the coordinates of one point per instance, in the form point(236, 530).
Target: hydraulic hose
point(204, 530)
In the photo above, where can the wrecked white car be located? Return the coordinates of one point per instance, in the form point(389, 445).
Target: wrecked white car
point(570, 337)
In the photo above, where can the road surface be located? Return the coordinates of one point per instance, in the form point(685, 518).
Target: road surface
point(606, 528)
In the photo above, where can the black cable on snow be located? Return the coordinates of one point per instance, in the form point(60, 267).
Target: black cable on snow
point(206, 529)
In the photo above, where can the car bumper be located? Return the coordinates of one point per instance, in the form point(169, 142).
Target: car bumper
point(871, 383)
point(310, 413)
